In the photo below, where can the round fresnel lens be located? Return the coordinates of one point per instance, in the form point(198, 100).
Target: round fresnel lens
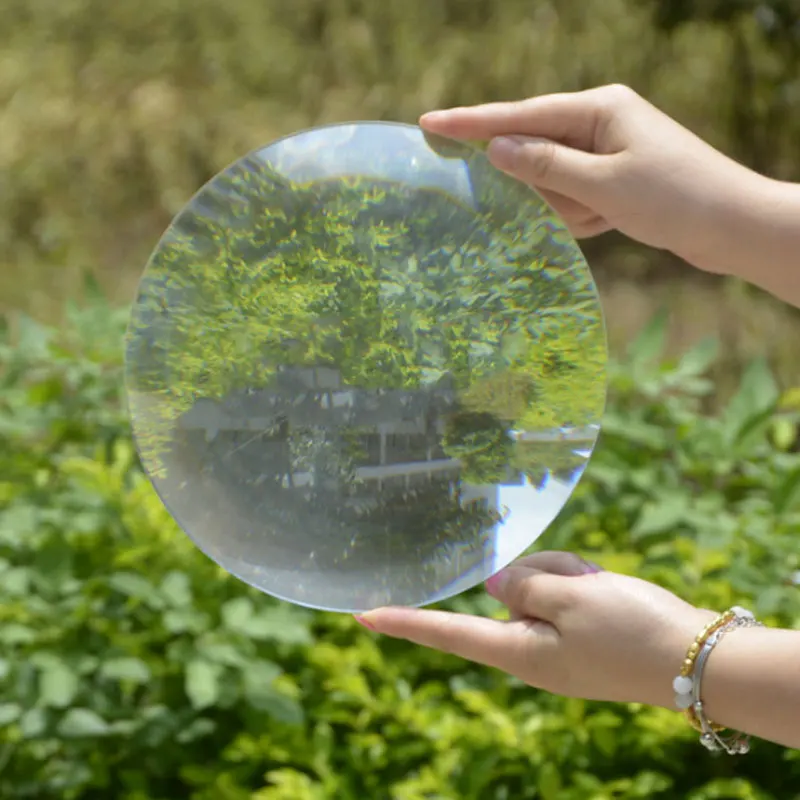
point(365, 367)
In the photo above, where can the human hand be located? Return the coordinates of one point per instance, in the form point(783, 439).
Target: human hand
point(607, 159)
point(573, 630)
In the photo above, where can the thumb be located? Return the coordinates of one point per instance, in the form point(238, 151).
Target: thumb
point(545, 164)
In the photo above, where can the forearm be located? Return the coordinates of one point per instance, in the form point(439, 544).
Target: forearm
point(752, 684)
point(756, 236)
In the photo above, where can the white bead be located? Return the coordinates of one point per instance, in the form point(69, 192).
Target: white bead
point(743, 613)
point(708, 742)
point(682, 684)
point(683, 701)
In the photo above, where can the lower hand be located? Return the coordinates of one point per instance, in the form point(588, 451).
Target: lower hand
point(574, 630)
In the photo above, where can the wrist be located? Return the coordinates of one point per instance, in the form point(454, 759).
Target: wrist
point(674, 645)
point(749, 684)
point(752, 232)
point(742, 689)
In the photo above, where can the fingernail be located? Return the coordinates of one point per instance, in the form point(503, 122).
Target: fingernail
point(361, 620)
point(591, 567)
point(495, 583)
point(503, 150)
point(433, 115)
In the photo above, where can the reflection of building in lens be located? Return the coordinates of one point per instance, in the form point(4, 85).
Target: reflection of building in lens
point(580, 437)
point(391, 437)
point(337, 477)
point(382, 440)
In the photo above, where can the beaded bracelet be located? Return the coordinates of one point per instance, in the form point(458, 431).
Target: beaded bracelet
point(688, 683)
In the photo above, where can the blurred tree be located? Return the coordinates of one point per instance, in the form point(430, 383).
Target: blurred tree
point(765, 69)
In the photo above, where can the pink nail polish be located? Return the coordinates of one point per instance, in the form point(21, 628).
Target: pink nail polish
point(591, 567)
point(493, 584)
point(365, 622)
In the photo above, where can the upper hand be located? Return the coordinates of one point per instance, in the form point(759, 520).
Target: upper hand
point(607, 159)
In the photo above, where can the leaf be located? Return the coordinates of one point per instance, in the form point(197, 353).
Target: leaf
point(9, 712)
point(82, 722)
point(773, 600)
point(635, 431)
point(549, 781)
point(176, 589)
point(33, 338)
point(513, 345)
point(186, 620)
point(787, 493)
point(281, 707)
point(258, 678)
point(13, 633)
point(196, 729)
point(698, 360)
point(202, 683)
point(784, 433)
point(753, 432)
point(125, 669)
point(659, 516)
point(135, 586)
point(279, 623)
point(237, 613)
point(58, 684)
point(757, 395)
point(222, 653)
point(286, 625)
point(16, 581)
point(33, 723)
point(649, 344)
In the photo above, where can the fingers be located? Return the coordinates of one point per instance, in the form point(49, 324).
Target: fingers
point(570, 118)
point(508, 646)
point(535, 589)
point(531, 593)
point(584, 178)
point(557, 562)
point(540, 586)
point(566, 206)
point(582, 222)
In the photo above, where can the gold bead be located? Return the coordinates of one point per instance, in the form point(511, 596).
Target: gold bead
point(689, 663)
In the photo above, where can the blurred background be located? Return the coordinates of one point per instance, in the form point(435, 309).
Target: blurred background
point(129, 666)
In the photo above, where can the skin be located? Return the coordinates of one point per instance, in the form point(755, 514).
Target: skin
point(607, 159)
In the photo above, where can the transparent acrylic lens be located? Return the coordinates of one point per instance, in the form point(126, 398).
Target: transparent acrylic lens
point(365, 368)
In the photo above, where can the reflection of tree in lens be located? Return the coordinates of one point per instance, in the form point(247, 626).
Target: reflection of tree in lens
point(343, 356)
point(482, 444)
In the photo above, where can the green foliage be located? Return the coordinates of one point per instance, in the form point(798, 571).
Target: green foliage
point(394, 287)
point(132, 668)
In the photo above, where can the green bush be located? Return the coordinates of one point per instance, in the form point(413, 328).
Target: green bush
point(131, 667)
